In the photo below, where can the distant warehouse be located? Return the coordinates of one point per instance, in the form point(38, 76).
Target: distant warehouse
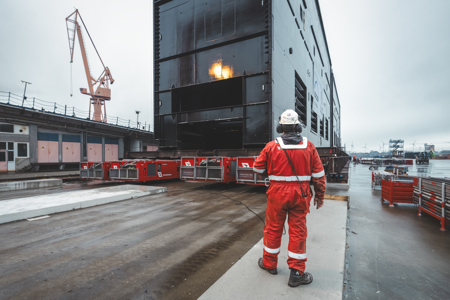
point(226, 69)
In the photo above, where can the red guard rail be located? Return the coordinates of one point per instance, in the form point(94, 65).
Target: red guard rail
point(433, 197)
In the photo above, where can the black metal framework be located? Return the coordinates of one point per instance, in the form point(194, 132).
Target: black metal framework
point(300, 100)
point(194, 108)
point(314, 122)
point(322, 125)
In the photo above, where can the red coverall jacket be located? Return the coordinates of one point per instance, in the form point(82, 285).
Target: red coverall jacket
point(285, 197)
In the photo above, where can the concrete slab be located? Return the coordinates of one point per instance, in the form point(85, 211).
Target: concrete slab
point(23, 208)
point(7, 176)
point(29, 184)
point(338, 186)
point(326, 257)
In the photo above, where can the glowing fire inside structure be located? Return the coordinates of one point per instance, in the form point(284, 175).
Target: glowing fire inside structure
point(219, 71)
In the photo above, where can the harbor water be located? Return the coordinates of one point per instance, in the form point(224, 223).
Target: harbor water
point(436, 168)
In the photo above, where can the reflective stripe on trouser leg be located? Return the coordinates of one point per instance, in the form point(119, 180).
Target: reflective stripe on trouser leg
point(297, 240)
point(275, 218)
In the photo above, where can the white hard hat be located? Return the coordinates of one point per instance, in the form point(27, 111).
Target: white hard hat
point(289, 117)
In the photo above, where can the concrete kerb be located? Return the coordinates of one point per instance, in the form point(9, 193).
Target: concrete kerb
point(29, 184)
point(24, 208)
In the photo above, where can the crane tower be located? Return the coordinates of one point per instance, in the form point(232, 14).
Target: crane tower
point(98, 88)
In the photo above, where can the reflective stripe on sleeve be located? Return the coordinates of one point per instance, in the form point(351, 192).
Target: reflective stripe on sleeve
point(260, 171)
point(320, 174)
point(289, 178)
point(297, 255)
point(274, 251)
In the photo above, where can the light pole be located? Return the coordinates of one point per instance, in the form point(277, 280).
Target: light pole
point(24, 91)
point(137, 118)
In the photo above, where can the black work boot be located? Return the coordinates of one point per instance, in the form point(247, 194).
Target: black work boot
point(271, 271)
point(297, 279)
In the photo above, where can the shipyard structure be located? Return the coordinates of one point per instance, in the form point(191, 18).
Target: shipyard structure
point(226, 69)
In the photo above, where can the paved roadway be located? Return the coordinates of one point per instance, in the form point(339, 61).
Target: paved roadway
point(166, 246)
point(175, 246)
point(392, 253)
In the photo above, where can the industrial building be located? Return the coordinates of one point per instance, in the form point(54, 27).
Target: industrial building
point(39, 140)
point(226, 70)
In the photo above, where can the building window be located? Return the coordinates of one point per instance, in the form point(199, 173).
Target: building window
point(7, 128)
point(314, 122)
point(304, 3)
point(22, 150)
point(322, 125)
point(10, 155)
point(300, 99)
point(314, 50)
point(326, 129)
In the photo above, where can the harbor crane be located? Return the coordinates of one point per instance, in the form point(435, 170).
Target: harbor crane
point(98, 88)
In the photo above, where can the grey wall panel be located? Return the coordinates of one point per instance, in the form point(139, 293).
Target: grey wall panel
point(254, 91)
point(290, 55)
point(166, 103)
point(121, 148)
point(191, 25)
point(257, 124)
point(176, 28)
point(169, 131)
point(245, 57)
point(33, 144)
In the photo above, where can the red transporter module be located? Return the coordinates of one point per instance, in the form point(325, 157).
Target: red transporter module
point(144, 170)
point(95, 170)
point(245, 174)
point(209, 169)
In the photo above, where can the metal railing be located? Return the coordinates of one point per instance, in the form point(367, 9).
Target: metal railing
point(44, 106)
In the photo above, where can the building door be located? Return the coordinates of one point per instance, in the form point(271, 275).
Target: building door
point(3, 161)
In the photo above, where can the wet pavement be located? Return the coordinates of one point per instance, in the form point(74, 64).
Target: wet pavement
point(392, 252)
point(11, 176)
point(176, 245)
point(165, 246)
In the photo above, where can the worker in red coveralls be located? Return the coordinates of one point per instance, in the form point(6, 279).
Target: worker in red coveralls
point(291, 163)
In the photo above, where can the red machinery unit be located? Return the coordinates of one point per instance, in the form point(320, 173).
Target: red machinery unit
point(245, 174)
point(144, 170)
point(397, 191)
point(95, 170)
point(209, 169)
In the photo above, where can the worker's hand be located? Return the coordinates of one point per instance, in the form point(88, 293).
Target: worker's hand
point(318, 203)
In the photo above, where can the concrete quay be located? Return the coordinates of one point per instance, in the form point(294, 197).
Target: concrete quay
point(29, 207)
point(29, 184)
point(199, 241)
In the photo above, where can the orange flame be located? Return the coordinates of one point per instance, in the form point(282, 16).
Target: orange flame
point(219, 71)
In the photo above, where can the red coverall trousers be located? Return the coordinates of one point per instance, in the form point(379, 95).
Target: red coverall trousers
point(286, 199)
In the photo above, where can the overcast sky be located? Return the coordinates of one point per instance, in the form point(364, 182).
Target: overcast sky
point(391, 60)
point(35, 48)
